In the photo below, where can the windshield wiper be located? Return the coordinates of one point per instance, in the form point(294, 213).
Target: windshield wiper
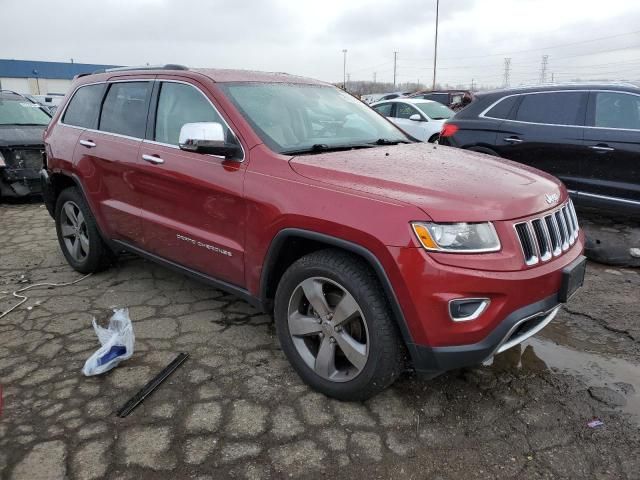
point(385, 141)
point(24, 124)
point(323, 147)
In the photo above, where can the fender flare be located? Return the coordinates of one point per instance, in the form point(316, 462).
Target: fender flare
point(278, 242)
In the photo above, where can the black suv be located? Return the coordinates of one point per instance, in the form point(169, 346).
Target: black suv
point(588, 135)
point(22, 124)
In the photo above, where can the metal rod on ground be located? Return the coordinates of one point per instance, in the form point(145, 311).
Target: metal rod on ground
point(139, 397)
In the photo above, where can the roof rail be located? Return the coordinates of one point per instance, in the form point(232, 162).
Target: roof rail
point(168, 66)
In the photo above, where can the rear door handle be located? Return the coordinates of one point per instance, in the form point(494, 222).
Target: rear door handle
point(602, 148)
point(513, 140)
point(153, 159)
point(88, 143)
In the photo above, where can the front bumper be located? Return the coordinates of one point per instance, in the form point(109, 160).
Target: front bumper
point(521, 303)
point(514, 329)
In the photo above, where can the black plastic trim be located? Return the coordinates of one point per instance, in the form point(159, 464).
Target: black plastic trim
point(214, 282)
point(435, 360)
point(277, 243)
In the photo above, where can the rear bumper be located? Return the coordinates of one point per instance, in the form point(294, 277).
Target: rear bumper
point(514, 329)
point(47, 191)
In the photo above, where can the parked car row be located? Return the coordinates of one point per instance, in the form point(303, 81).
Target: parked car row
point(422, 119)
point(587, 135)
point(374, 252)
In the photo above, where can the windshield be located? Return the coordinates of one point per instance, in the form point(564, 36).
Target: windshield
point(297, 118)
point(435, 111)
point(21, 112)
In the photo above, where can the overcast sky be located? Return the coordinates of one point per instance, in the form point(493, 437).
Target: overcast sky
point(307, 37)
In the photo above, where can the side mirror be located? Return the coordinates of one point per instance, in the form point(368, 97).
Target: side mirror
point(207, 137)
point(416, 117)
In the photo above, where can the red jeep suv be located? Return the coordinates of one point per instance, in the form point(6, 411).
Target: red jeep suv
point(374, 253)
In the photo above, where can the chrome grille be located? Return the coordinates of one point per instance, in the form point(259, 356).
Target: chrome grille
point(548, 236)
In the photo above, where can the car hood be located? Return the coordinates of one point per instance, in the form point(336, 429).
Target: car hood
point(448, 184)
point(13, 136)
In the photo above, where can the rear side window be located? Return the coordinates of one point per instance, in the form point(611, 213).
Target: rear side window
point(384, 109)
point(503, 108)
point(617, 110)
point(125, 109)
point(556, 108)
point(179, 104)
point(84, 107)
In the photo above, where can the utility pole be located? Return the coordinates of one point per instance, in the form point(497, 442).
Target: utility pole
point(553, 77)
point(507, 72)
point(435, 48)
point(473, 84)
point(374, 76)
point(348, 79)
point(395, 63)
point(344, 68)
point(543, 68)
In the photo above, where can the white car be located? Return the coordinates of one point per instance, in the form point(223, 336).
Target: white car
point(420, 118)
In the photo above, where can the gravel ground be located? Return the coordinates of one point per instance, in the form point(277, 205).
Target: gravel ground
point(236, 409)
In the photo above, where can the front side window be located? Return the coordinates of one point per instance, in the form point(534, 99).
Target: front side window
point(617, 110)
point(404, 111)
point(84, 107)
point(556, 108)
point(20, 111)
point(299, 117)
point(179, 104)
point(125, 109)
point(435, 111)
point(384, 109)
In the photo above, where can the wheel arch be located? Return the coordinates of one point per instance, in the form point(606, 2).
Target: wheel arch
point(293, 243)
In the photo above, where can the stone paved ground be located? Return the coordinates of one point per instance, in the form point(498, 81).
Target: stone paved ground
point(236, 409)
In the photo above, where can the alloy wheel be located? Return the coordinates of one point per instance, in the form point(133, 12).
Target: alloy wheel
point(328, 329)
point(74, 231)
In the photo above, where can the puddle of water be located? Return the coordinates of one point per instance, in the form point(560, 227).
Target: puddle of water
point(539, 354)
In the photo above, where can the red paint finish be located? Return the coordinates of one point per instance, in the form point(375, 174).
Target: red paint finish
point(219, 217)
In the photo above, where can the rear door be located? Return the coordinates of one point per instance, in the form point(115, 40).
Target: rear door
point(108, 158)
point(545, 130)
point(612, 159)
point(193, 208)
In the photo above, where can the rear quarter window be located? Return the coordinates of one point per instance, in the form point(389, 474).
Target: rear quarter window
point(503, 108)
point(84, 107)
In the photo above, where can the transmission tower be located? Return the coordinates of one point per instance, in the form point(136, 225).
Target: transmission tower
point(507, 72)
point(543, 68)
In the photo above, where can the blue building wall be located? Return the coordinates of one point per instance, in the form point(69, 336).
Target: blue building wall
point(53, 70)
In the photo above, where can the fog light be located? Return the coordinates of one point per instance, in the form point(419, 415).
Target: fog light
point(466, 309)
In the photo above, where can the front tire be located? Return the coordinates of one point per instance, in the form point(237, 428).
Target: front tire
point(335, 327)
point(78, 235)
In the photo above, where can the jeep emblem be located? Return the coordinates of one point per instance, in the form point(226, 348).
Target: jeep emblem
point(551, 197)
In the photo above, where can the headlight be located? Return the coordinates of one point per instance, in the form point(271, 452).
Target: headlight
point(457, 237)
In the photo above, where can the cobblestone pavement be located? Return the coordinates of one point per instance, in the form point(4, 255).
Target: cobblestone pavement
point(236, 409)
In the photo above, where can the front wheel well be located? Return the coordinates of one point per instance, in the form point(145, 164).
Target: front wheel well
point(60, 182)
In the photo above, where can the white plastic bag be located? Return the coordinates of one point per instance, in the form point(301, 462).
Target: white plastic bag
point(117, 343)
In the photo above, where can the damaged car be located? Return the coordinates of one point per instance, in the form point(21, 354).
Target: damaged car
point(22, 123)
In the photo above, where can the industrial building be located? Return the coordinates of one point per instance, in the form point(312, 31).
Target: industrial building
point(40, 78)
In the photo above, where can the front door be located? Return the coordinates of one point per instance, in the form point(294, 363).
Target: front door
point(612, 141)
point(415, 128)
point(546, 131)
point(193, 210)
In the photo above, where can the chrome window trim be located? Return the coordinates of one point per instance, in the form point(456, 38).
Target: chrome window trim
point(144, 140)
point(579, 193)
point(484, 112)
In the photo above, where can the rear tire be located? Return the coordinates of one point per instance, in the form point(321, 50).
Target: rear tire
point(78, 234)
point(335, 327)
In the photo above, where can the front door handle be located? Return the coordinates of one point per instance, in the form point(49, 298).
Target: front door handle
point(153, 159)
point(602, 148)
point(88, 143)
point(513, 140)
